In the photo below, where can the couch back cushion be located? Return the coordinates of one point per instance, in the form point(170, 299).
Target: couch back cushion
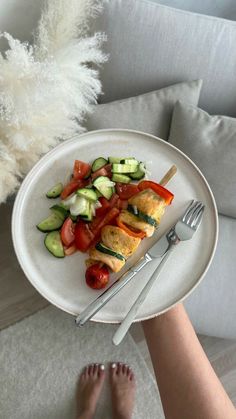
point(150, 112)
point(220, 8)
point(152, 46)
point(210, 141)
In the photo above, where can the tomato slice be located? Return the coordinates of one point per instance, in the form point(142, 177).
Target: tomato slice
point(96, 276)
point(106, 205)
point(125, 191)
point(109, 217)
point(72, 186)
point(129, 230)
point(83, 236)
point(81, 169)
point(68, 232)
point(160, 190)
point(108, 168)
point(99, 172)
point(104, 208)
point(113, 201)
point(70, 250)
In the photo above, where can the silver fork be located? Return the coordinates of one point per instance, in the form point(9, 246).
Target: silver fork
point(183, 230)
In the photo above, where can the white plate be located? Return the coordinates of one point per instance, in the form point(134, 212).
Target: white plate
point(61, 281)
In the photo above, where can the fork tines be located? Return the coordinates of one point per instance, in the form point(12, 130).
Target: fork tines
point(193, 215)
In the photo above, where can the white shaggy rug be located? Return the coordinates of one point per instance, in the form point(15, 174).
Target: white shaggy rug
point(40, 359)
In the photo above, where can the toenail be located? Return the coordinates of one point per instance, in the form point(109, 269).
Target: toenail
point(96, 365)
point(113, 365)
point(102, 367)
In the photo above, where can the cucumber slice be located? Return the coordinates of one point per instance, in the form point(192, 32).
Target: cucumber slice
point(116, 177)
point(108, 251)
point(118, 159)
point(139, 174)
point(60, 211)
point(106, 191)
point(87, 215)
point(88, 193)
point(80, 205)
point(54, 245)
point(53, 222)
point(73, 217)
point(88, 174)
point(103, 180)
point(104, 186)
point(124, 168)
point(142, 216)
point(55, 191)
point(98, 194)
point(98, 163)
point(130, 161)
point(115, 159)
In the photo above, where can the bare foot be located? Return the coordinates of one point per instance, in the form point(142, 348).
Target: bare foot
point(89, 389)
point(123, 389)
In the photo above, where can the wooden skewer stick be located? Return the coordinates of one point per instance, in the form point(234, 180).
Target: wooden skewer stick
point(168, 176)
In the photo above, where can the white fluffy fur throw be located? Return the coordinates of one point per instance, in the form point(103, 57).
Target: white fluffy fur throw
point(46, 88)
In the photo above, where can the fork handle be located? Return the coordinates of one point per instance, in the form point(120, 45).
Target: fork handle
point(110, 292)
point(126, 323)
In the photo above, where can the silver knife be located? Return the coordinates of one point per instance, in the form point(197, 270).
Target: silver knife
point(184, 230)
point(161, 247)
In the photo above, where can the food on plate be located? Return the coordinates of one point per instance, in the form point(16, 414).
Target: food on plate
point(117, 239)
point(105, 209)
point(97, 276)
point(132, 220)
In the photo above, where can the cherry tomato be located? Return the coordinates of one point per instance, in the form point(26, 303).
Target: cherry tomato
point(68, 232)
point(83, 236)
point(125, 191)
point(70, 250)
point(72, 186)
point(159, 189)
point(96, 276)
point(81, 169)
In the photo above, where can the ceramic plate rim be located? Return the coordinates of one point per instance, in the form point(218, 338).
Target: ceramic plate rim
point(20, 199)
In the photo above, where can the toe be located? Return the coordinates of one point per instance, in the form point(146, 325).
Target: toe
point(113, 368)
point(124, 369)
point(120, 368)
point(101, 371)
point(129, 371)
point(90, 370)
point(131, 376)
point(95, 370)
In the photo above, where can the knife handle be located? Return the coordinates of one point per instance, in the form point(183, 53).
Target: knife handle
point(126, 323)
point(110, 292)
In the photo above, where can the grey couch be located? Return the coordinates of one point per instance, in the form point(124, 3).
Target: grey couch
point(152, 46)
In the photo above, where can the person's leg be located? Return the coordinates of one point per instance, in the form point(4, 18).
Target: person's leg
point(122, 390)
point(188, 385)
point(89, 389)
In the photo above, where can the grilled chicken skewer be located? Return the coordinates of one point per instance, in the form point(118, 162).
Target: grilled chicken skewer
point(144, 213)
